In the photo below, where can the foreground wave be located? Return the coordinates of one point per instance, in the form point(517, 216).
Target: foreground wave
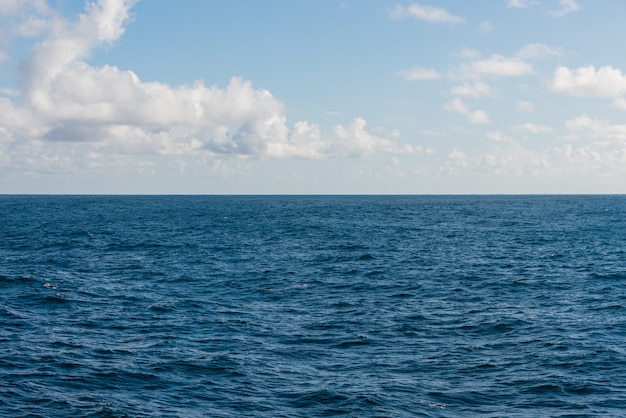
point(312, 306)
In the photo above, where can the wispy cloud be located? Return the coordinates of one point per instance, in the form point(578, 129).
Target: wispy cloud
point(521, 4)
point(456, 105)
point(486, 27)
point(454, 161)
point(427, 13)
point(533, 128)
point(496, 66)
point(475, 90)
point(468, 53)
point(619, 103)
point(566, 7)
point(600, 129)
point(419, 73)
point(538, 51)
point(498, 136)
point(431, 132)
point(524, 106)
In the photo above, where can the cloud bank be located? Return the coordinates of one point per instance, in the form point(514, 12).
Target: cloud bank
point(65, 100)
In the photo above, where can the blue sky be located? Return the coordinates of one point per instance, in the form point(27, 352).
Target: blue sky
point(325, 96)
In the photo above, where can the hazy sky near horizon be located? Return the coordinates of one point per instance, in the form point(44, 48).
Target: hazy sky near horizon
point(324, 96)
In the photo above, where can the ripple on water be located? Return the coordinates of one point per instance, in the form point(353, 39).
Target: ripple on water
point(312, 306)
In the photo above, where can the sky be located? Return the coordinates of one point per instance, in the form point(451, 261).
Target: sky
point(312, 97)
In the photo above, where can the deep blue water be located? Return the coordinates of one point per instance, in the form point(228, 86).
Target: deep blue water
point(301, 306)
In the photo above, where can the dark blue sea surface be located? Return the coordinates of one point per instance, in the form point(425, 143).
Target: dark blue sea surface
point(302, 306)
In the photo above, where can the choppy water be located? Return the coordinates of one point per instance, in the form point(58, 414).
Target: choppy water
point(307, 306)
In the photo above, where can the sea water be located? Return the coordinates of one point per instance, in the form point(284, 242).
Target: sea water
point(302, 306)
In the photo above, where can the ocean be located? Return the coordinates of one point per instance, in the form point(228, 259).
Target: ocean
point(312, 306)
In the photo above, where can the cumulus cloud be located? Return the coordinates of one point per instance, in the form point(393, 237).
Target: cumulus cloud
point(588, 82)
point(95, 110)
point(355, 141)
point(419, 73)
point(427, 13)
point(456, 105)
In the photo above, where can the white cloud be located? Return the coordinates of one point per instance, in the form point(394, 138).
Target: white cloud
point(537, 50)
point(4, 56)
point(496, 66)
point(455, 160)
point(468, 53)
point(21, 19)
point(521, 4)
point(498, 136)
point(71, 113)
point(600, 160)
point(354, 141)
point(486, 27)
point(15, 117)
point(395, 133)
point(581, 122)
point(419, 73)
point(525, 107)
point(478, 117)
point(458, 157)
point(431, 132)
point(9, 92)
point(533, 128)
point(12, 7)
point(456, 105)
point(567, 7)
point(428, 13)
point(476, 90)
point(589, 82)
point(515, 160)
point(599, 129)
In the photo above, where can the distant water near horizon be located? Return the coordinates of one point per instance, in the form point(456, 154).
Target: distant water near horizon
point(311, 306)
